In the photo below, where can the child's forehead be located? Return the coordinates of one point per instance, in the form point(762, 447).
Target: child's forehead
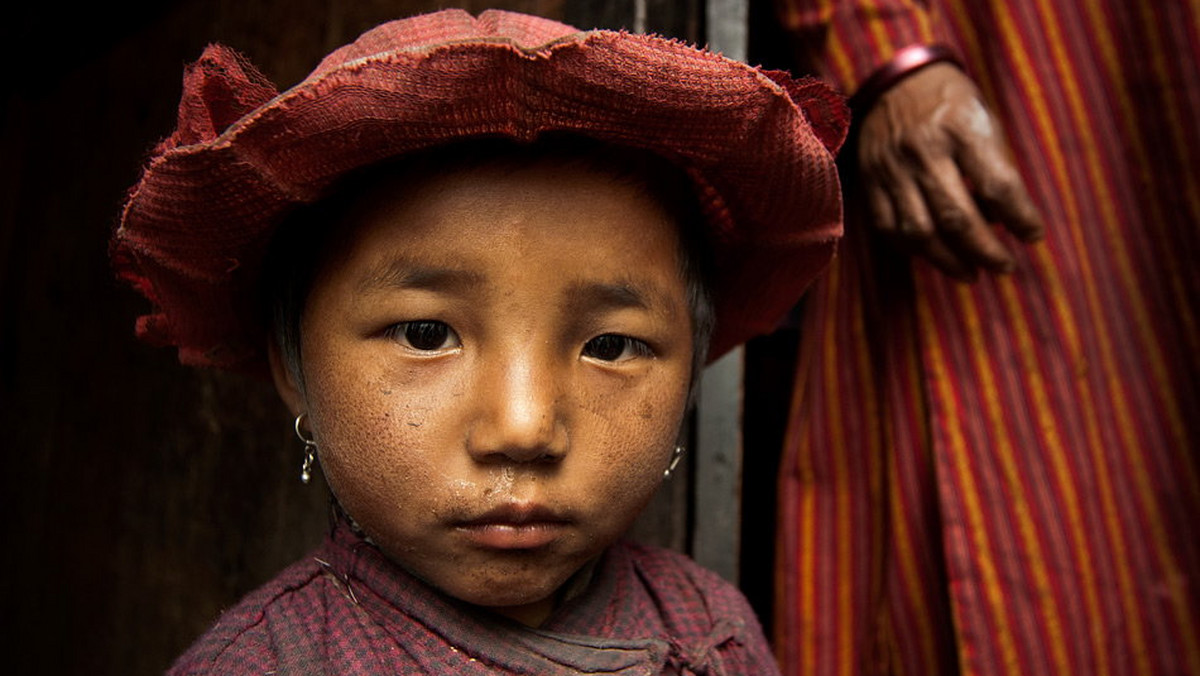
point(489, 234)
point(567, 154)
point(537, 207)
point(498, 182)
point(501, 187)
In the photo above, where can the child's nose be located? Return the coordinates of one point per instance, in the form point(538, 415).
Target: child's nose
point(519, 419)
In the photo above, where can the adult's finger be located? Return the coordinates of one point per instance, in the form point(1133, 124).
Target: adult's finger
point(998, 186)
point(910, 214)
point(957, 219)
point(929, 246)
point(879, 206)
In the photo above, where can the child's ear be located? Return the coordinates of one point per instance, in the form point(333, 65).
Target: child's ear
point(285, 381)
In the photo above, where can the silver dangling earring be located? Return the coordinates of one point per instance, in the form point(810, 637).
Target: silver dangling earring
point(310, 451)
point(675, 457)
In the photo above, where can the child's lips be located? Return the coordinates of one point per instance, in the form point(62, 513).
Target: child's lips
point(514, 527)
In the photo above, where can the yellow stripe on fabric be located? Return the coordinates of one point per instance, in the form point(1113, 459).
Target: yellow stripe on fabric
point(809, 542)
point(924, 24)
point(1132, 134)
point(906, 558)
point(1045, 263)
point(808, 614)
point(841, 66)
point(795, 473)
point(1002, 447)
point(914, 591)
point(818, 19)
point(888, 658)
point(914, 10)
point(1047, 266)
point(871, 419)
point(1126, 427)
point(992, 589)
point(808, 636)
point(1176, 578)
point(1108, 210)
point(1099, 31)
point(1043, 410)
point(1057, 453)
point(884, 46)
point(808, 564)
point(1096, 445)
point(1183, 311)
point(1117, 546)
point(793, 631)
point(844, 566)
point(820, 10)
point(848, 34)
point(1047, 130)
point(792, 18)
point(1175, 123)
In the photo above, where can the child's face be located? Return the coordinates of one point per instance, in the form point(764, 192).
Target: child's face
point(496, 370)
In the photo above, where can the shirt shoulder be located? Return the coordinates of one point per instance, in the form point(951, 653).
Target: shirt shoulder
point(684, 587)
point(275, 623)
point(697, 605)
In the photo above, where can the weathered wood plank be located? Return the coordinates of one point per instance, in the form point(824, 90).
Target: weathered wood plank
point(718, 475)
point(717, 520)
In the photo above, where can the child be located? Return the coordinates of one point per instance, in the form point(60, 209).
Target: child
point(482, 259)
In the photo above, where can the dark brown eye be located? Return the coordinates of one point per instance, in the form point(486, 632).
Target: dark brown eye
point(425, 335)
point(611, 347)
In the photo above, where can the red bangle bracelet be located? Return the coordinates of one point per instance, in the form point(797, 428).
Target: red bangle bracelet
point(903, 63)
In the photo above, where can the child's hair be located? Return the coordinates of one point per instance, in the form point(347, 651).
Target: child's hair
point(311, 234)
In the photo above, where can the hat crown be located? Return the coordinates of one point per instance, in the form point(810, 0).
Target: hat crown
point(427, 32)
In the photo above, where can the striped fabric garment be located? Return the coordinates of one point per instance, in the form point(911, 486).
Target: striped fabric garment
point(1003, 478)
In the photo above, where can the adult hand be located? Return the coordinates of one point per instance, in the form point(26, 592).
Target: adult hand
point(936, 170)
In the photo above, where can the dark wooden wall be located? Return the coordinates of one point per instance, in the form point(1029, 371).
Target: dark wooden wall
point(142, 497)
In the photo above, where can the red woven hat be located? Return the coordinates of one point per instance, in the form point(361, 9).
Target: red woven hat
point(758, 145)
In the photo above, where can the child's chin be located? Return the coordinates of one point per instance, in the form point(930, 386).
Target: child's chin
point(527, 606)
point(512, 592)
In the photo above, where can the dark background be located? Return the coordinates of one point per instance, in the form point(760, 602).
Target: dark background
point(142, 497)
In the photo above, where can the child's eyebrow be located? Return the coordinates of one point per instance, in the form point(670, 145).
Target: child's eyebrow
point(400, 274)
point(607, 296)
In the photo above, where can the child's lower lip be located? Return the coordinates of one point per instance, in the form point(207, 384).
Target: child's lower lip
point(529, 535)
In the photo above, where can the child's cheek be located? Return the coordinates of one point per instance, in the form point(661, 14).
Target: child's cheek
point(632, 441)
point(361, 430)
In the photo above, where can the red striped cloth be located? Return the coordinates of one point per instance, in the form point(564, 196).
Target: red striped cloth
point(1002, 478)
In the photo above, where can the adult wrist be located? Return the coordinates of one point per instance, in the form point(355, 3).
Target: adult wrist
point(903, 63)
